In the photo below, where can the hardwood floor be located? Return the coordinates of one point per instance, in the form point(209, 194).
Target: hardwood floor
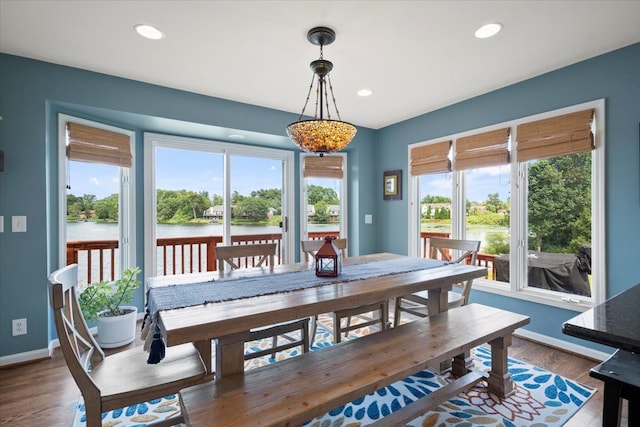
point(43, 393)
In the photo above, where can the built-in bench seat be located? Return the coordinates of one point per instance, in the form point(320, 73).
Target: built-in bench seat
point(293, 391)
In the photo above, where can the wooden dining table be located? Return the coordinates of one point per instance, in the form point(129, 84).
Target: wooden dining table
point(227, 321)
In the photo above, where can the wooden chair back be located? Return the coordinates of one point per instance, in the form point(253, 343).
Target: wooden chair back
point(231, 255)
point(309, 248)
point(121, 379)
point(466, 250)
point(80, 349)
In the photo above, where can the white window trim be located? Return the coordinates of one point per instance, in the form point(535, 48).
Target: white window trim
point(518, 207)
point(304, 224)
point(126, 205)
point(155, 140)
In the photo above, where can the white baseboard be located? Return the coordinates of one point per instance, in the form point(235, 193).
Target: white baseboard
point(534, 336)
point(27, 356)
point(562, 345)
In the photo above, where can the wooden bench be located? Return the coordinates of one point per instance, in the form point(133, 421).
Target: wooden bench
point(293, 391)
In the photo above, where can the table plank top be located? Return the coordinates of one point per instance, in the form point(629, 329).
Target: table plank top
point(191, 324)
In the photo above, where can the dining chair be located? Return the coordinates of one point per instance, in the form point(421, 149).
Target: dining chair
point(442, 249)
point(121, 379)
point(365, 313)
point(265, 253)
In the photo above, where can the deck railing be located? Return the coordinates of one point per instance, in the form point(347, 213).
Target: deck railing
point(98, 260)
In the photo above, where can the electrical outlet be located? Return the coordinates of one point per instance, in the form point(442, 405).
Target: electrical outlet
point(19, 327)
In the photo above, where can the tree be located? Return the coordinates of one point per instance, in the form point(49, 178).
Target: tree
point(216, 200)
point(252, 208)
point(559, 201)
point(272, 196)
point(107, 208)
point(435, 199)
point(493, 203)
point(322, 214)
point(315, 193)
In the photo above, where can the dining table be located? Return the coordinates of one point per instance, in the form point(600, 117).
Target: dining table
point(381, 276)
point(615, 323)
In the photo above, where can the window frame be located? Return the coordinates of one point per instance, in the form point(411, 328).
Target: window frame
point(127, 194)
point(518, 219)
point(227, 149)
point(344, 215)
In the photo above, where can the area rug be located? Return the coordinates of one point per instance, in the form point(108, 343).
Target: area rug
point(542, 398)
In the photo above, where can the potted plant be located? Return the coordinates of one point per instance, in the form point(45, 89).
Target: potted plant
point(103, 301)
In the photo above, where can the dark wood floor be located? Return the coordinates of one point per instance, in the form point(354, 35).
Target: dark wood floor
point(44, 394)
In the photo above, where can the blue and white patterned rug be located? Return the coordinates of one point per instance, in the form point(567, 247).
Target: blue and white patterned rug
point(542, 398)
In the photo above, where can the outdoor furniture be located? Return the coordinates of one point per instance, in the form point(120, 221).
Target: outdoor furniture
point(124, 378)
point(557, 272)
point(309, 249)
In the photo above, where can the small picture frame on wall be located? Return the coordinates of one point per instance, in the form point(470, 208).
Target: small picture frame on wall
point(392, 185)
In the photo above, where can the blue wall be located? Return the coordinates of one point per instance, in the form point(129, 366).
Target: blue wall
point(33, 92)
point(616, 78)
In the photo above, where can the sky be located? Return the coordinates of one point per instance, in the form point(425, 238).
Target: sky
point(182, 170)
point(479, 184)
point(198, 171)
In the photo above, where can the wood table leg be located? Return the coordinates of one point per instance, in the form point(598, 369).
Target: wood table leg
point(230, 354)
point(438, 300)
point(204, 348)
point(500, 382)
point(462, 364)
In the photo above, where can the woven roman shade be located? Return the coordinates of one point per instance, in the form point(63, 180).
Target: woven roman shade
point(481, 150)
point(89, 144)
point(323, 167)
point(556, 136)
point(432, 158)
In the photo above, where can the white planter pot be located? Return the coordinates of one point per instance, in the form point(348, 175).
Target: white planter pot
point(116, 331)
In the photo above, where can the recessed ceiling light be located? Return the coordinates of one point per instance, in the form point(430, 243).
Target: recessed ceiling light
point(488, 30)
point(364, 92)
point(149, 32)
point(236, 136)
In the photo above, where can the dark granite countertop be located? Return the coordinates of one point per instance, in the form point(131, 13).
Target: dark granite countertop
point(615, 322)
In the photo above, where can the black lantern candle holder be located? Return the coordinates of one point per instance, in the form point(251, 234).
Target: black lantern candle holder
point(328, 259)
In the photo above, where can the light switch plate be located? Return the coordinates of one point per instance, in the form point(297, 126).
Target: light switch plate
point(368, 219)
point(19, 224)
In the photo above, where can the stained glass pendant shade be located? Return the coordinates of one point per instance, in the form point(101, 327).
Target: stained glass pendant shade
point(320, 135)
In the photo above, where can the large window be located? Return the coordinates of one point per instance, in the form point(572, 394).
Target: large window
point(532, 191)
point(97, 221)
point(324, 195)
point(202, 193)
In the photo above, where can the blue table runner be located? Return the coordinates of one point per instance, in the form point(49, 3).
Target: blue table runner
point(169, 297)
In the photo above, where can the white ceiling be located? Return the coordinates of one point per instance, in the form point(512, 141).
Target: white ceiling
point(416, 56)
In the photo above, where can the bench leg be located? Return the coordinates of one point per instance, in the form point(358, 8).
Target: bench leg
point(500, 382)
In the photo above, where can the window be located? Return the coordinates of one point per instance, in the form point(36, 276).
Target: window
point(532, 191)
point(209, 192)
point(97, 221)
point(325, 195)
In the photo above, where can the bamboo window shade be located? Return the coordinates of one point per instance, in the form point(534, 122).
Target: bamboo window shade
point(323, 167)
point(481, 150)
point(556, 136)
point(89, 144)
point(432, 158)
